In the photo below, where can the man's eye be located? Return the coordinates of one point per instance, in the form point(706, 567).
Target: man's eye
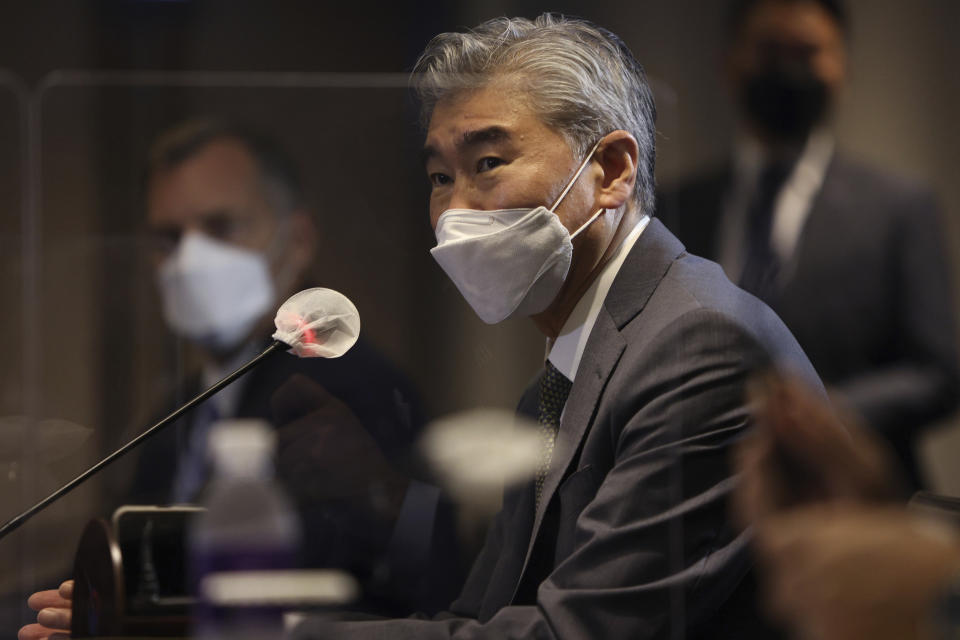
point(221, 227)
point(439, 179)
point(486, 164)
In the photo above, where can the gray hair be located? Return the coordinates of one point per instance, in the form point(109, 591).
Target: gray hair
point(181, 142)
point(580, 79)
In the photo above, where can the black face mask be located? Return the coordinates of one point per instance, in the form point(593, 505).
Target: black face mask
point(785, 100)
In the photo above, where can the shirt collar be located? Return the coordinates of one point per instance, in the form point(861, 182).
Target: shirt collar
point(567, 349)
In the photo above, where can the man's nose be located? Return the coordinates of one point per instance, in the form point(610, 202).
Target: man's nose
point(463, 195)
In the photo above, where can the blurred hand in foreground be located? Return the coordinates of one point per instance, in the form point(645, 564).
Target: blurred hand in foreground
point(53, 614)
point(839, 558)
point(848, 573)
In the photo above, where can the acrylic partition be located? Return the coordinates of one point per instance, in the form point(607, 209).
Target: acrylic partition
point(89, 360)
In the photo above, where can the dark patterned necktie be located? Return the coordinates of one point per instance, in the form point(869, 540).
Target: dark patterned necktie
point(761, 268)
point(553, 392)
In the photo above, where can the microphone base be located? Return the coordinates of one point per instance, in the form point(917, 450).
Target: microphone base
point(102, 604)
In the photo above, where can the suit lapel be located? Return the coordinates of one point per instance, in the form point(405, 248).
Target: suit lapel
point(636, 281)
point(641, 273)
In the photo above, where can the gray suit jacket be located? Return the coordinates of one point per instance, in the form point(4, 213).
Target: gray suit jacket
point(632, 539)
point(868, 296)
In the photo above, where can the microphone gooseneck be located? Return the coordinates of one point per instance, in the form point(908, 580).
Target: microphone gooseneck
point(14, 523)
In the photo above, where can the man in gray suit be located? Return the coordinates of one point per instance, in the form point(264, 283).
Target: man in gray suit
point(851, 258)
point(623, 533)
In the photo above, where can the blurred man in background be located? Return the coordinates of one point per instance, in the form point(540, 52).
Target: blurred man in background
point(852, 259)
point(231, 238)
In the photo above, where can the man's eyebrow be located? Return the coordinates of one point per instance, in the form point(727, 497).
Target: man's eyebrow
point(486, 135)
point(474, 138)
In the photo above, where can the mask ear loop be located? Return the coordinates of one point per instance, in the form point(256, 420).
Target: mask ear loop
point(572, 182)
point(587, 223)
point(576, 175)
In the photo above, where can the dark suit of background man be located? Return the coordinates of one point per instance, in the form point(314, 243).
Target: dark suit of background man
point(854, 260)
point(623, 532)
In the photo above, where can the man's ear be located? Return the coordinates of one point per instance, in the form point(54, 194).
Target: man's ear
point(304, 227)
point(617, 155)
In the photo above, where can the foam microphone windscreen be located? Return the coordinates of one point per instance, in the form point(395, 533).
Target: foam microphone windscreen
point(318, 323)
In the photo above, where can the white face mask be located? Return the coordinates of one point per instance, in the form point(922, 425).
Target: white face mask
point(213, 292)
point(508, 262)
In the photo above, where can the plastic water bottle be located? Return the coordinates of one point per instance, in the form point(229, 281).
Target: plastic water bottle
point(249, 528)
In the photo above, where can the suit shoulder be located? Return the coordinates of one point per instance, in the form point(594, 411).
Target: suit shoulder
point(696, 299)
point(878, 185)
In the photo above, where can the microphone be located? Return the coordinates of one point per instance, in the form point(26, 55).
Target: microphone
point(313, 323)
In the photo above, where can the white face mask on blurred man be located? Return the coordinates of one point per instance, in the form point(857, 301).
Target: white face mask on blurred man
point(213, 292)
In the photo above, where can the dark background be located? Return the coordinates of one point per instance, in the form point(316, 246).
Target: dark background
point(84, 86)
